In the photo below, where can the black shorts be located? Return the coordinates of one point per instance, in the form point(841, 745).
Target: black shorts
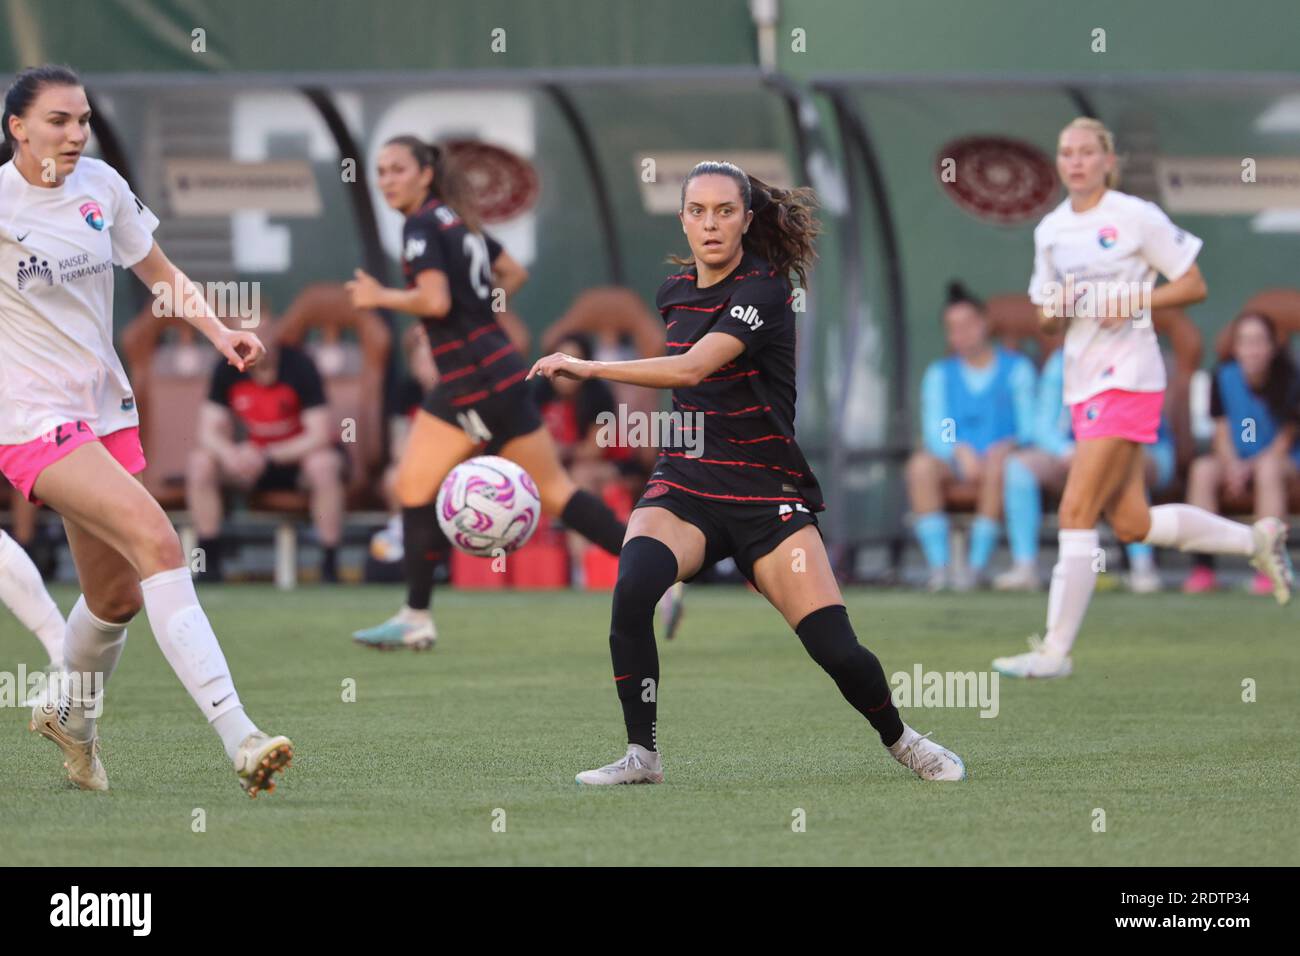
point(491, 421)
point(282, 477)
point(277, 477)
point(745, 532)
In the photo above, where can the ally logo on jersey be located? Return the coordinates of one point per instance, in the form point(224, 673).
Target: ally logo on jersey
point(414, 249)
point(747, 314)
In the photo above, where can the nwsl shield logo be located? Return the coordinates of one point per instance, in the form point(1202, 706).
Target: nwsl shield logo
point(1107, 236)
point(93, 215)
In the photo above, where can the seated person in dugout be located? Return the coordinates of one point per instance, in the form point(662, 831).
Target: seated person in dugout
point(976, 406)
point(1254, 399)
point(289, 443)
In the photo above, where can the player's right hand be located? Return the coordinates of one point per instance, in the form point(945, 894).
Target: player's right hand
point(557, 364)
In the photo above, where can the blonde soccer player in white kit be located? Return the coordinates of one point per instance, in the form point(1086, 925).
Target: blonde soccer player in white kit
point(68, 426)
point(1096, 257)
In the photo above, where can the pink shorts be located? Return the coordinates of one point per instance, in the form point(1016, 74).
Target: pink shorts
point(1116, 413)
point(23, 464)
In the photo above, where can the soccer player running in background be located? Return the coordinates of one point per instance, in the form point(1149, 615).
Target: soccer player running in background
point(480, 405)
point(68, 426)
point(1044, 464)
point(1098, 243)
point(977, 404)
point(750, 494)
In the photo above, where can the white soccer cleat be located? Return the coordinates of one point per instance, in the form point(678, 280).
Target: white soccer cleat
point(1019, 577)
point(925, 758)
point(637, 766)
point(259, 758)
point(1037, 662)
point(1271, 557)
point(406, 628)
point(670, 609)
point(1145, 581)
point(83, 764)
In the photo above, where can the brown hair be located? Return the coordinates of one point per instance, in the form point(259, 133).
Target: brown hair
point(449, 182)
point(784, 226)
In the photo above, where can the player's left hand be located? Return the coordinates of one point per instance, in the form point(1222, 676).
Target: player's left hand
point(364, 289)
point(557, 364)
point(243, 350)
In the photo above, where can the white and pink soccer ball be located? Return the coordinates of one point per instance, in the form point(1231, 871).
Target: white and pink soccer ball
point(486, 504)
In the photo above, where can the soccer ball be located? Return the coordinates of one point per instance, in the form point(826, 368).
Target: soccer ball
point(486, 504)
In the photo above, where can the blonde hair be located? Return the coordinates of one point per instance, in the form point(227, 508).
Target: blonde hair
point(1103, 134)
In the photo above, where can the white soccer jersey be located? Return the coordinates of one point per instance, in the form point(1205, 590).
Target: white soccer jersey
point(57, 251)
point(1122, 240)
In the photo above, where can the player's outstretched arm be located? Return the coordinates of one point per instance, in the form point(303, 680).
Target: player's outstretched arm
point(242, 349)
point(668, 371)
point(429, 298)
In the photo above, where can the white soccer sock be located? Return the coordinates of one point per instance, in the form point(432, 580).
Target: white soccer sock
point(23, 592)
point(1073, 580)
point(1189, 528)
point(187, 641)
point(91, 648)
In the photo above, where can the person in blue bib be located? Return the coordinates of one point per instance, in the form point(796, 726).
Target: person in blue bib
point(1045, 464)
point(1255, 404)
point(976, 406)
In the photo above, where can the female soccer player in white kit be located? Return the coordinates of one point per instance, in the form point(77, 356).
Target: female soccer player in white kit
point(68, 424)
point(1091, 254)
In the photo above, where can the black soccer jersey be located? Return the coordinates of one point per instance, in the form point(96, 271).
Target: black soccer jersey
point(745, 409)
point(474, 356)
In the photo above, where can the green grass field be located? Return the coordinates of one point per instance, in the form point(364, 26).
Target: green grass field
point(517, 697)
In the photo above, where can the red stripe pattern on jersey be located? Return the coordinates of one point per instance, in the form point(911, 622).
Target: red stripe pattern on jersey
point(743, 411)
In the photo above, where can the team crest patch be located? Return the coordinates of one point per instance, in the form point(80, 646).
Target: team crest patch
point(1091, 412)
point(1107, 236)
point(654, 490)
point(93, 215)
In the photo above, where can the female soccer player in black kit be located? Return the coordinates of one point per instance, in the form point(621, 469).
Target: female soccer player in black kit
point(480, 404)
point(750, 494)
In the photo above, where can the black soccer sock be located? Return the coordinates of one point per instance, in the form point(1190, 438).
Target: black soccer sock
point(646, 569)
point(424, 545)
point(329, 565)
point(1203, 561)
point(828, 637)
point(591, 518)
